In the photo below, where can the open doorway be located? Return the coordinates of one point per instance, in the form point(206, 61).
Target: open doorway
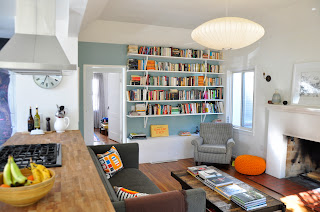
point(103, 104)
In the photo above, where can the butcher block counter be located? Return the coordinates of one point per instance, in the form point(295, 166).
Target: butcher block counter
point(77, 187)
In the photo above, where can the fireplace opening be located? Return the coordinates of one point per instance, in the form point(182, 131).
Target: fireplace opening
point(303, 162)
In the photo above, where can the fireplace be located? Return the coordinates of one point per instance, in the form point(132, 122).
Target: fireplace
point(303, 157)
point(287, 157)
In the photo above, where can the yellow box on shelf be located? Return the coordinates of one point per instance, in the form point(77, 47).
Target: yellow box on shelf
point(159, 130)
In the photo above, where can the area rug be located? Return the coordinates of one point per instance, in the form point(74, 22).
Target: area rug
point(95, 137)
point(281, 186)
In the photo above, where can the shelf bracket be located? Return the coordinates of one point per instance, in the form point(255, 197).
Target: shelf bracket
point(145, 121)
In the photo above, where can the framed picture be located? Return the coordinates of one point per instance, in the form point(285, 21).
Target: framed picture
point(306, 84)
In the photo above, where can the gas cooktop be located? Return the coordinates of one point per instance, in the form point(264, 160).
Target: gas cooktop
point(48, 155)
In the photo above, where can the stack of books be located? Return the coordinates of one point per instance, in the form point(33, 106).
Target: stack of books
point(218, 181)
point(184, 133)
point(194, 170)
point(229, 190)
point(249, 200)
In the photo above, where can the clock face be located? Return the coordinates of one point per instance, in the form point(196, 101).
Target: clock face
point(47, 81)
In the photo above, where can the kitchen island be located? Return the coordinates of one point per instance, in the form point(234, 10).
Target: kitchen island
point(77, 187)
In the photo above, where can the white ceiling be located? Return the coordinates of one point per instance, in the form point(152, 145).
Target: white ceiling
point(186, 14)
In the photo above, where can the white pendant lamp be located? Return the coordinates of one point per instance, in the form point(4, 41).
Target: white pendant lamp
point(227, 33)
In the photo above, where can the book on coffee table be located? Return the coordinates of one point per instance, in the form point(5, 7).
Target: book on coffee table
point(249, 200)
point(219, 181)
point(209, 173)
point(229, 190)
point(193, 170)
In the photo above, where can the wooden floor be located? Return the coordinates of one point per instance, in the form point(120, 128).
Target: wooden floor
point(160, 174)
point(104, 138)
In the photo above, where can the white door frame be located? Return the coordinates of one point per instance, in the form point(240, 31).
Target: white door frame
point(88, 71)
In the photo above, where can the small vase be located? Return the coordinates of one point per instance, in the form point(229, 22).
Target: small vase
point(276, 98)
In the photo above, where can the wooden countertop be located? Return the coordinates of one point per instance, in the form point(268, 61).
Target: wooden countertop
point(77, 187)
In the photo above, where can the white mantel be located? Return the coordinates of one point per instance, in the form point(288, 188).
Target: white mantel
point(296, 121)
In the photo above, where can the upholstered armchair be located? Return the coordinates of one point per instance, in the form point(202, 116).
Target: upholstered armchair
point(214, 144)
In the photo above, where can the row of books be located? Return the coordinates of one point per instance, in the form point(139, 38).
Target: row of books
point(135, 64)
point(174, 52)
point(173, 94)
point(175, 81)
point(248, 200)
point(187, 108)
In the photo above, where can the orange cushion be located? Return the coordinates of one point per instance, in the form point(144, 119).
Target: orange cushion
point(250, 165)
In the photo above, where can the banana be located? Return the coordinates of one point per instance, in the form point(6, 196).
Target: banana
point(16, 173)
point(7, 179)
point(29, 182)
point(37, 174)
point(45, 172)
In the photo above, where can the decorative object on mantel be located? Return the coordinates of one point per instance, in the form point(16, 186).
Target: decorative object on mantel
point(270, 102)
point(285, 102)
point(276, 98)
point(306, 84)
point(220, 33)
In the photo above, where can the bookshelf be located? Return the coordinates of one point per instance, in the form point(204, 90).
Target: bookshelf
point(175, 73)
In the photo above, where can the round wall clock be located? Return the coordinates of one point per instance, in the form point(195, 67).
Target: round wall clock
point(47, 81)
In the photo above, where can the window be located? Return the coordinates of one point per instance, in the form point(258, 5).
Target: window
point(242, 86)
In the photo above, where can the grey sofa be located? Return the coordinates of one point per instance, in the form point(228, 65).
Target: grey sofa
point(132, 178)
point(214, 144)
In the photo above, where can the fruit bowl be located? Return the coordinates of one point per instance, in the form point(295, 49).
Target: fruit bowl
point(26, 195)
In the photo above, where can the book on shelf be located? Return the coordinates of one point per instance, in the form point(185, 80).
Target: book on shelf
point(209, 173)
point(184, 133)
point(140, 108)
point(219, 181)
point(133, 49)
point(176, 81)
point(136, 64)
point(134, 136)
point(135, 113)
point(193, 170)
point(229, 190)
point(174, 94)
point(175, 52)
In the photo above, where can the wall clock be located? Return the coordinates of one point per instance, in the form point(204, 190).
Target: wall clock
point(47, 81)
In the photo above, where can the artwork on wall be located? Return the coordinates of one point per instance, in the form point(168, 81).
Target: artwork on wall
point(5, 119)
point(306, 84)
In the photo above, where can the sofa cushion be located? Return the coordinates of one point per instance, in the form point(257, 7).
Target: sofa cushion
point(213, 148)
point(110, 162)
point(135, 180)
point(123, 193)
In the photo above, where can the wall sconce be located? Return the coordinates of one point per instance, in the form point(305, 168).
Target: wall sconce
point(267, 78)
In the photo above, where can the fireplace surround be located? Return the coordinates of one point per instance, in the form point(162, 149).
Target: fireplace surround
point(288, 121)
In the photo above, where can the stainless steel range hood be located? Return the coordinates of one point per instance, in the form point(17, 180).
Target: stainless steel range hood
point(34, 48)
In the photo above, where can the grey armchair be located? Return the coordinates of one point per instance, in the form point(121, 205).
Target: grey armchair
point(214, 144)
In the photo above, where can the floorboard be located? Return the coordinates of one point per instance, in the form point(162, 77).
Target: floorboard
point(104, 138)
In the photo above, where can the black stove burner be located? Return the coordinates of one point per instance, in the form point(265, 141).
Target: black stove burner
point(48, 155)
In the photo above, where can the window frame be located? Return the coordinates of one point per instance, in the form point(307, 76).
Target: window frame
point(230, 99)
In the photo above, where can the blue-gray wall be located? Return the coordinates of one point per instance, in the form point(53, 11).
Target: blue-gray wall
point(116, 54)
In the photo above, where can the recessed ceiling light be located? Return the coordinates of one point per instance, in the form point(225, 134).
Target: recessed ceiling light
point(314, 9)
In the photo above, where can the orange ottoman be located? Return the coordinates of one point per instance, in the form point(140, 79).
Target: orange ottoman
point(250, 165)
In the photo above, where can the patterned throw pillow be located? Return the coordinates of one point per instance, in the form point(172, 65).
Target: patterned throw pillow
point(123, 193)
point(110, 162)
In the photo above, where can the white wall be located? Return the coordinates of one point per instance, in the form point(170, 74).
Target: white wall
point(27, 93)
point(292, 36)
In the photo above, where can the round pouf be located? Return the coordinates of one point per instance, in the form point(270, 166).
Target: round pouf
point(250, 165)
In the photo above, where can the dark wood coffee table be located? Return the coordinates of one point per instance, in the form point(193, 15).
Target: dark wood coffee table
point(218, 202)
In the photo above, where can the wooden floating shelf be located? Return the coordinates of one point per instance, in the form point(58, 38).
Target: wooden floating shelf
point(162, 86)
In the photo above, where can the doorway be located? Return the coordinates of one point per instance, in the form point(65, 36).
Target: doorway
point(104, 104)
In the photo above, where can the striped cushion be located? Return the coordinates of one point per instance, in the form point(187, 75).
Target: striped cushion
point(123, 193)
point(110, 162)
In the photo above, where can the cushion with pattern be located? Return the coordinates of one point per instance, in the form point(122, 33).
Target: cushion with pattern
point(111, 162)
point(123, 193)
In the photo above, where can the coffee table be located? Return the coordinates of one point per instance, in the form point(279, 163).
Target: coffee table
point(218, 202)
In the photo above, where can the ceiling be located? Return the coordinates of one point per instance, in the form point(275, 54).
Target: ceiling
point(186, 14)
